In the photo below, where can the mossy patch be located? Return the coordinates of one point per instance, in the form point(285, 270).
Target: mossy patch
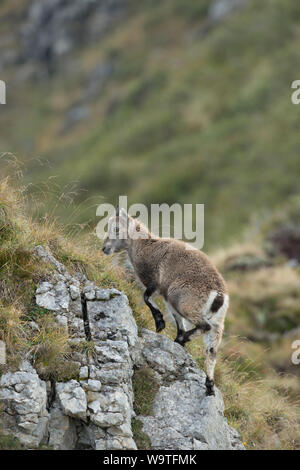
point(59, 370)
point(141, 439)
point(145, 388)
point(35, 313)
point(8, 442)
point(83, 346)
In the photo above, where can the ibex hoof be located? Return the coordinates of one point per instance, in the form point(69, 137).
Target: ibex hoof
point(210, 388)
point(180, 341)
point(160, 325)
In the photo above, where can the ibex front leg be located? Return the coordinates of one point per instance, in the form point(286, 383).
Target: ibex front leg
point(158, 318)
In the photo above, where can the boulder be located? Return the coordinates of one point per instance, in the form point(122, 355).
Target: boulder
point(23, 399)
point(183, 417)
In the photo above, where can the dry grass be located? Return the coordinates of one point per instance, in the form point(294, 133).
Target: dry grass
point(221, 256)
point(12, 329)
point(266, 419)
point(268, 301)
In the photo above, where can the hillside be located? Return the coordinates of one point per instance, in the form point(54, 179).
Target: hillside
point(254, 372)
point(177, 102)
point(156, 101)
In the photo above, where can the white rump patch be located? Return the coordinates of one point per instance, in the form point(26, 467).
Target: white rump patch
point(219, 316)
point(206, 310)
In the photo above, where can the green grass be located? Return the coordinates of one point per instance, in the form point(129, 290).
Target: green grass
point(9, 442)
point(141, 439)
point(145, 388)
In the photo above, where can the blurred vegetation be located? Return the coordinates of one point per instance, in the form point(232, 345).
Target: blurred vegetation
point(192, 112)
point(9, 442)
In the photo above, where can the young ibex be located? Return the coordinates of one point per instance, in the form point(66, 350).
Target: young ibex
point(191, 286)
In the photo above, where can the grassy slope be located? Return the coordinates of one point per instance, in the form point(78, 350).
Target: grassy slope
point(186, 117)
point(261, 404)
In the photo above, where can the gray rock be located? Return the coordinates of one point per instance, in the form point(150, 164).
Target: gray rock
point(111, 409)
point(104, 390)
point(45, 255)
point(72, 399)
point(113, 319)
point(99, 77)
point(84, 372)
point(56, 299)
point(118, 444)
point(74, 292)
point(93, 385)
point(183, 416)
point(33, 325)
point(74, 115)
point(221, 8)
point(90, 435)
point(62, 429)
point(54, 27)
point(62, 321)
point(44, 287)
point(23, 399)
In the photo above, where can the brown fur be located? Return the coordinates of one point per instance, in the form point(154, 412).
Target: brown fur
point(184, 277)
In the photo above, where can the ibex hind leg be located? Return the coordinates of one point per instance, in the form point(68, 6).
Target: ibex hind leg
point(193, 333)
point(212, 340)
point(183, 326)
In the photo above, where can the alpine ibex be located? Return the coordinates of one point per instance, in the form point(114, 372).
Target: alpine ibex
point(191, 286)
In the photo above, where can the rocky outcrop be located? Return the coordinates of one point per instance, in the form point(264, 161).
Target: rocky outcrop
point(222, 8)
point(101, 400)
point(95, 410)
point(183, 416)
point(54, 27)
point(23, 397)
